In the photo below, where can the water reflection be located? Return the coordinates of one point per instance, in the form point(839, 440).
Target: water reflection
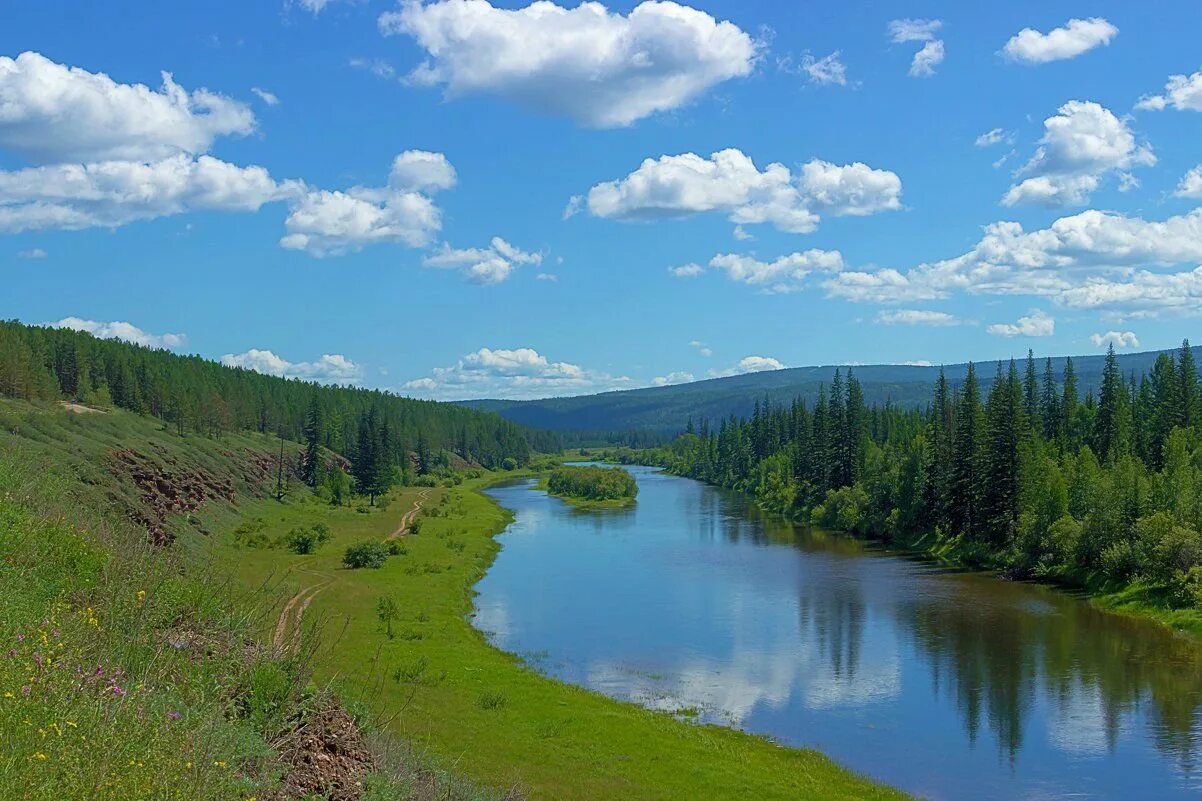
point(948, 684)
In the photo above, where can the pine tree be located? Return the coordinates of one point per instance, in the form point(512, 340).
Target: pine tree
point(855, 430)
point(1004, 427)
point(1112, 431)
point(1069, 436)
point(1031, 394)
point(1190, 413)
point(967, 472)
point(1049, 404)
point(366, 464)
point(937, 463)
point(311, 467)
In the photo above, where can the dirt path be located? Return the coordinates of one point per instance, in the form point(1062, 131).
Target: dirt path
point(408, 518)
point(286, 636)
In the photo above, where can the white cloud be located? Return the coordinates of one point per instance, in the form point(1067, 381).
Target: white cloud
point(690, 270)
point(1120, 339)
point(785, 274)
point(749, 364)
point(828, 70)
point(728, 182)
point(1036, 324)
point(1078, 36)
point(331, 368)
point(919, 30)
point(701, 348)
point(1093, 260)
point(490, 265)
point(1182, 92)
point(916, 363)
point(993, 137)
point(599, 68)
point(1082, 144)
point(53, 113)
point(267, 97)
point(376, 66)
point(552, 277)
point(917, 317)
point(1191, 184)
point(913, 30)
point(114, 193)
point(517, 373)
point(327, 222)
point(676, 377)
point(927, 59)
point(121, 330)
point(32, 253)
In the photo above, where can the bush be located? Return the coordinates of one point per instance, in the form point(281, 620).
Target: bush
point(365, 554)
point(509, 463)
point(842, 510)
point(307, 540)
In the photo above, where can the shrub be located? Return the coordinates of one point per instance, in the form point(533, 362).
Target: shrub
point(307, 540)
point(365, 554)
point(593, 483)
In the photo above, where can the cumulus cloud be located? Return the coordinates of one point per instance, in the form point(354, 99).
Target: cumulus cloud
point(517, 373)
point(748, 364)
point(1082, 144)
point(1120, 339)
point(598, 68)
point(331, 368)
point(114, 193)
point(676, 377)
point(728, 182)
point(32, 253)
point(917, 317)
point(126, 332)
point(490, 265)
point(1182, 92)
point(690, 270)
point(1078, 36)
point(1191, 184)
point(927, 59)
point(993, 137)
point(1036, 324)
point(919, 30)
point(701, 348)
point(1093, 260)
point(785, 274)
point(50, 112)
point(324, 222)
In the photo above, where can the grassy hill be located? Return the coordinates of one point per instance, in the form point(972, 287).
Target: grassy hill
point(667, 409)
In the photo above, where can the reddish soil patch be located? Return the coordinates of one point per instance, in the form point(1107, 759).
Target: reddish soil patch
point(166, 489)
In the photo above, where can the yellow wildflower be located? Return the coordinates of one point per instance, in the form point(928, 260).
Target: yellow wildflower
point(40, 756)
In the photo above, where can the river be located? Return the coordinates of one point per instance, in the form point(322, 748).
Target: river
point(947, 684)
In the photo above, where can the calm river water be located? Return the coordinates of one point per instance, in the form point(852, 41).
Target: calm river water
point(948, 685)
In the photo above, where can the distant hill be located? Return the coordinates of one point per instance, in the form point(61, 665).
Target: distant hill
point(667, 409)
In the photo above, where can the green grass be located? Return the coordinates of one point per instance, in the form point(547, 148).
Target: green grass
point(484, 711)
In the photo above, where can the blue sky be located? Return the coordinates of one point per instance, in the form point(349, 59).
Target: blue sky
point(256, 207)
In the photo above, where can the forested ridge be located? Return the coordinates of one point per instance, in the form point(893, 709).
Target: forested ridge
point(1032, 476)
point(196, 395)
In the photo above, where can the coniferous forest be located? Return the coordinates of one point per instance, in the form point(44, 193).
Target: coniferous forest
point(375, 429)
point(1018, 470)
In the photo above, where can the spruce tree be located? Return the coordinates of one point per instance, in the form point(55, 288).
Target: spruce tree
point(1111, 432)
point(1031, 393)
point(1004, 427)
point(1049, 404)
point(1069, 436)
point(967, 473)
point(1190, 413)
point(311, 468)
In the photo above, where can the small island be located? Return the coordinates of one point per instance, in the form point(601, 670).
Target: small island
point(593, 487)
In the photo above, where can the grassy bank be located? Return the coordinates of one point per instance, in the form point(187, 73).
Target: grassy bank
point(441, 685)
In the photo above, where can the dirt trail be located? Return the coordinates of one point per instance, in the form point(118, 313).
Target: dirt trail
point(286, 636)
point(408, 518)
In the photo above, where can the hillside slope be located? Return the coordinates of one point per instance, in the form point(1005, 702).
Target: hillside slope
point(667, 409)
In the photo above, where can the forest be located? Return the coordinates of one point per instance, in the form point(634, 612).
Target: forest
point(197, 396)
point(1030, 476)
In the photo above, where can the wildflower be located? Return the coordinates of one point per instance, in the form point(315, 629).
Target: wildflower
point(40, 756)
point(141, 596)
point(219, 763)
point(9, 695)
point(173, 715)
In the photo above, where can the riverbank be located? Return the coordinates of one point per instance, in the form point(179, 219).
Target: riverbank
point(441, 684)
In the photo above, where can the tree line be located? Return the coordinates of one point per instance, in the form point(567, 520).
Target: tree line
point(1032, 476)
point(198, 396)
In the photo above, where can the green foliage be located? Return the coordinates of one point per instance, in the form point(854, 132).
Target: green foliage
point(369, 553)
point(1030, 479)
point(593, 483)
point(251, 534)
point(301, 540)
